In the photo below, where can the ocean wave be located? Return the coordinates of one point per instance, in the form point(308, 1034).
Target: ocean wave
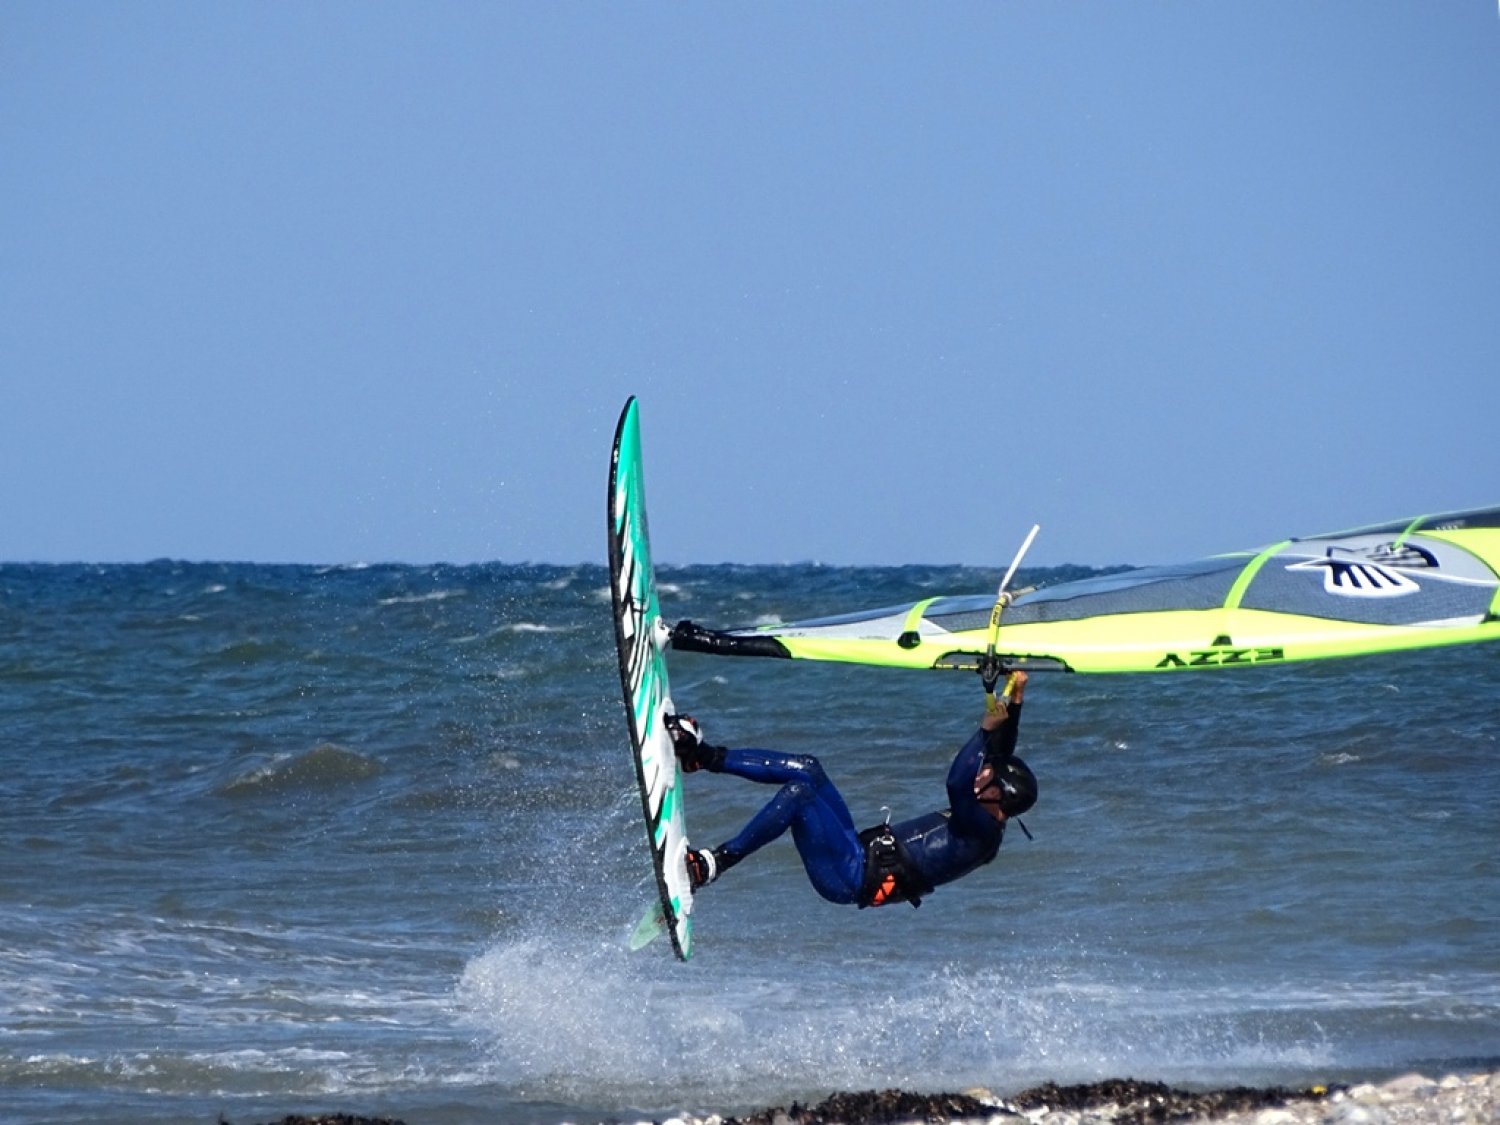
point(325, 766)
point(230, 1071)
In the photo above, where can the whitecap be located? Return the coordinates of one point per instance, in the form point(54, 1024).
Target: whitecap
point(418, 599)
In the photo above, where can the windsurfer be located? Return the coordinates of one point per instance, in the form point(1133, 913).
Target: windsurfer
point(987, 785)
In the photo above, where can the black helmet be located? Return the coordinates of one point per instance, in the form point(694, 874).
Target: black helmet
point(1017, 786)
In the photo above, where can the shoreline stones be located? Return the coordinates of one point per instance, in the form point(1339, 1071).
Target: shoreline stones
point(1408, 1099)
point(1116, 1101)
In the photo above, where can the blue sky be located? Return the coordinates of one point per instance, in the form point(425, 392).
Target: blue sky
point(336, 282)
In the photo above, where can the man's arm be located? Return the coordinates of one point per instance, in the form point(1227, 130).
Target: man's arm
point(1001, 728)
point(975, 752)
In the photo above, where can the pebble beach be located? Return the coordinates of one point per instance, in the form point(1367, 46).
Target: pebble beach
point(1408, 1099)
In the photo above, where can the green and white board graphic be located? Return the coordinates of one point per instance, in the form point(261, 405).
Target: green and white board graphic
point(641, 638)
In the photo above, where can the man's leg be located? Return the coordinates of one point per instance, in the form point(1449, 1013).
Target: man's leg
point(811, 806)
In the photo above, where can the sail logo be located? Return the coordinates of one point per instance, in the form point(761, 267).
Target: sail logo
point(1220, 657)
point(1359, 577)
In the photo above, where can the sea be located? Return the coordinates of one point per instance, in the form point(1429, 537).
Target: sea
point(307, 839)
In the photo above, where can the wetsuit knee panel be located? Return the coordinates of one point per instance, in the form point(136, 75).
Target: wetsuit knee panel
point(809, 769)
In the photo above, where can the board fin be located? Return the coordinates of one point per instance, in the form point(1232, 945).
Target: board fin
point(651, 926)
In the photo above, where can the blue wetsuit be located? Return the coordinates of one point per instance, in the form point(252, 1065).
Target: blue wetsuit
point(941, 846)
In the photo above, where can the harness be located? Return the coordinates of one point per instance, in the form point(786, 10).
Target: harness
point(890, 874)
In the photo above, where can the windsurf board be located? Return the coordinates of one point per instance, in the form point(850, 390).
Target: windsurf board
point(641, 639)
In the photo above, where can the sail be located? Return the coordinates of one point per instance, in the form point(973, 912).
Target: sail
point(1432, 580)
